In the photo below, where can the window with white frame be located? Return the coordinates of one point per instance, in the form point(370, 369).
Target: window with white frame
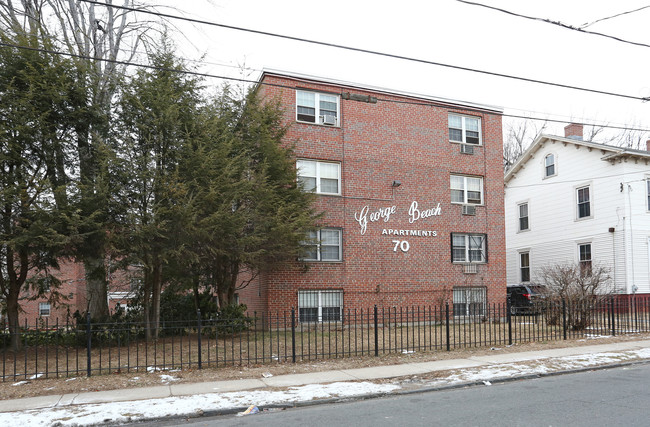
point(44, 308)
point(317, 107)
point(549, 165)
point(468, 248)
point(584, 256)
point(323, 245)
point(522, 208)
point(524, 266)
point(583, 197)
point(469, 301)
point(320, 306)
point(465, 129)
point(319, 177)
point(466, 189)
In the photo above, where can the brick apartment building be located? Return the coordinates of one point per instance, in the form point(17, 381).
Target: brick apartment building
point(411, 187)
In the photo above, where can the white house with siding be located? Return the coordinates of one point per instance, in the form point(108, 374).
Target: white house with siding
point(574, 201)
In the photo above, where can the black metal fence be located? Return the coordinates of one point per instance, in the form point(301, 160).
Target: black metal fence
point(54, 350)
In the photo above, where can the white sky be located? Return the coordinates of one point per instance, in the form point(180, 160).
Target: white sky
point(445, 31)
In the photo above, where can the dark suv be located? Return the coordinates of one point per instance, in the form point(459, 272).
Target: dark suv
point(523, 298)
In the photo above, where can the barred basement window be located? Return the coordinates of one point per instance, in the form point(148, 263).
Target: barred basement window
point(320, 306)
point(469, 301)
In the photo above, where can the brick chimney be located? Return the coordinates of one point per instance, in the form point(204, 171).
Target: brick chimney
point(573, 131)
point(647, 145)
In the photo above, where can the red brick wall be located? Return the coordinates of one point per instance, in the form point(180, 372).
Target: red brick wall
point(376, 144)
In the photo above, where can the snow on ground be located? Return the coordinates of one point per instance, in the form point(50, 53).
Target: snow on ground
point(123, 412)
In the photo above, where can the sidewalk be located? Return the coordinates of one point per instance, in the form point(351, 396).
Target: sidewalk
point(477, 368)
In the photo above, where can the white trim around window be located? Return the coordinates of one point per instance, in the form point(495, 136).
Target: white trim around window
point(44, 309)
point(319, 177)
point(466, 190)
point(584, 202)
point(523, 218)
point(468, 248)
point(465, 129)
point(323, 245)
point(318, 108)
point(550, 165)
point(524, 266)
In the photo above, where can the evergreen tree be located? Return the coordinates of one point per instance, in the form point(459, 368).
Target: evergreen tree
point(34, 130)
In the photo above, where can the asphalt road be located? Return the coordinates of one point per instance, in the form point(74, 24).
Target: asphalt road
point(617, 396)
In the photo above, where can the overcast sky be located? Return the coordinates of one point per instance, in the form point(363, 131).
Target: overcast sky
point(445, 31)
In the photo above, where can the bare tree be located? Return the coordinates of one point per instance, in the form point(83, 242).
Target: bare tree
point(97, 37)
point(519, 136)
point(580, 286)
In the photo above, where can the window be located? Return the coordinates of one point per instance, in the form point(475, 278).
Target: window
point(524, 266)
point(323, 245)
point(648, 194)
point(584, 202)
point(584, 250)
point(315, 107)
point(469, 301)
point(466, 190)
point(319, 177)
point(468, 247)
point(523, 216)
point(549, 165)
point(465, 129)
point(44, 308)
point(320, 306)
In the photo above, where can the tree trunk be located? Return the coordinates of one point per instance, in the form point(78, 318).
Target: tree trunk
point(96, 286)
point(12, 316)
point(155, 298)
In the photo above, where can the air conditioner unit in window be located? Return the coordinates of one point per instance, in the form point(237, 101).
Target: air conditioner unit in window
point(470, 269)
point(328, 120)
point(466, 149)
point(469, 210)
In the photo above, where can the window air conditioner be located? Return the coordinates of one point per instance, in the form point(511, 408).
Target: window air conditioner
point(329, 120)
point(469, 210)
point(466, 149)
point(470, 269)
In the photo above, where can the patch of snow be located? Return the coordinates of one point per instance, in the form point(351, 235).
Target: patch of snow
point(20, 383)
point(70, 379)
point(168, 378)
point(35, 376)
point(122, 412)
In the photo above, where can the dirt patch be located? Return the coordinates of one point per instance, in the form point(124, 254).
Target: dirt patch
point(58, 386)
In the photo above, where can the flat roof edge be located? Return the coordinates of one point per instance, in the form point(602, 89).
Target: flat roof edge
point(317, 79)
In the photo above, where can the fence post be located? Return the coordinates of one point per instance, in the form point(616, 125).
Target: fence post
point(293, 335)
point(376, 333)
point(198, 323)
point(88, 344)
point(447, 326)
point(611, 312)
point(564, 319)
point(509, 317)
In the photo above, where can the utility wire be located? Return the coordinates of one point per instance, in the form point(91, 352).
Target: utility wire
point(256, 82)
point(561, 24)
point(585, 25)
point(371, 52)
